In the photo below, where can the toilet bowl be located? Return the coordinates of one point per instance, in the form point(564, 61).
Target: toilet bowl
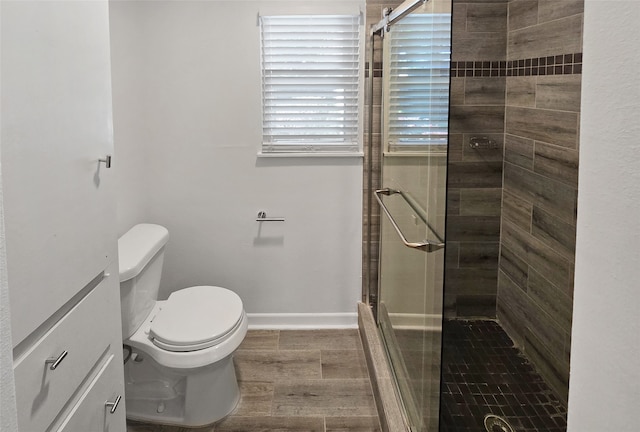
point(180, 370)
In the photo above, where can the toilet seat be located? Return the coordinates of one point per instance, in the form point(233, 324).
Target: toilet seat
point(182, 360)
point(196, 318)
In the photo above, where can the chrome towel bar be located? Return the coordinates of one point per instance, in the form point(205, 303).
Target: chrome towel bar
point(426, 245)
point(262, 217)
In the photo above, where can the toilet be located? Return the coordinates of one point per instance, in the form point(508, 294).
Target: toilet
point(179, 365)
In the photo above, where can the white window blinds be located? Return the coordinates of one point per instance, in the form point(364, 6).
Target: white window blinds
point(310, 83)
point(418, 87)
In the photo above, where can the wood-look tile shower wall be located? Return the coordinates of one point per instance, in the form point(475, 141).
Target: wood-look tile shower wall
point(535, 279)
point(479, 41)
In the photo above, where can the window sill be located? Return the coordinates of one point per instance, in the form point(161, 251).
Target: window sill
point(311, 155)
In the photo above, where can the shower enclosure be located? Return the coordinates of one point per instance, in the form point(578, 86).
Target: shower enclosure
point(474, 117)
point(413, 41)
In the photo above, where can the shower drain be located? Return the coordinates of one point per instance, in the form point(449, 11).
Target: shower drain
point(493, 423)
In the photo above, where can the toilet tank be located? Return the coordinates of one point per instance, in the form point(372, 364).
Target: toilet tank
point(140, 256)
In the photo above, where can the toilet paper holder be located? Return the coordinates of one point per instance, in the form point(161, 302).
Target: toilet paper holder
point(262, 217)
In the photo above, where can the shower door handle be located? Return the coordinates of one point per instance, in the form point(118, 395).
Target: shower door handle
point(426, 246)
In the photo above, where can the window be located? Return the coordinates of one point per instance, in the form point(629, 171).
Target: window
point(311, 83)
point(417, 95)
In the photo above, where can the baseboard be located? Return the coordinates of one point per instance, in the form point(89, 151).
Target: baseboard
point(302, 321)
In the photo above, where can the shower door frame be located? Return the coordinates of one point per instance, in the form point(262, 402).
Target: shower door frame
point(371, 293)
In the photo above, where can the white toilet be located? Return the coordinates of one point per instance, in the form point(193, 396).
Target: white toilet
point(180, 371)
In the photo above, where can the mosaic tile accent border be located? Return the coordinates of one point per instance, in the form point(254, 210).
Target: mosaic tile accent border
point(564, 64)
point(478, 68)
point(377, 69)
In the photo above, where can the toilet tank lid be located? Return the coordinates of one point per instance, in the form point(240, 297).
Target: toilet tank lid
point(138, 246)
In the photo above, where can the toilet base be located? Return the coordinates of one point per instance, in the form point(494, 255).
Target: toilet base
point(182, 397)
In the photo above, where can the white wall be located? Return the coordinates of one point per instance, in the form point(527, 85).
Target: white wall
point(187, 122)
point(604, 391)
point(8, 411)
point(8, 414)
point(129, 77)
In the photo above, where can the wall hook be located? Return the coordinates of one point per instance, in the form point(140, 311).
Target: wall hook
point(106, 160)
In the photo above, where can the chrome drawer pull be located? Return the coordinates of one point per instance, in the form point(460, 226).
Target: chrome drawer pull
point(113, 405)
point(55, 362)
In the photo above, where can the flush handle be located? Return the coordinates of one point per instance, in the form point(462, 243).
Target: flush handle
point(55, 362)
point(113, 405)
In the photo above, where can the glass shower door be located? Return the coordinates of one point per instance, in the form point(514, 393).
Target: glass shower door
point(411, 280)
point(416, 54)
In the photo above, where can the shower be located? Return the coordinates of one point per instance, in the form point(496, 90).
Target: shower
point(470, 208)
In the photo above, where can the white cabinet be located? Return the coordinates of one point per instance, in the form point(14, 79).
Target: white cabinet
point(85, 334)
point(56, 124)
point(101, 406)
point(60, 214)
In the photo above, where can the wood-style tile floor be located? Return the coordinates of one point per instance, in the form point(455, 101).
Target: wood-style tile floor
point(297, 380)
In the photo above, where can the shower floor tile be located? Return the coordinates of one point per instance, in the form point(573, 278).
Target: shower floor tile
point(483, 373)
point(309, 380)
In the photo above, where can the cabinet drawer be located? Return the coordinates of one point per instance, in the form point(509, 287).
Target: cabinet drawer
point(91, 412)
point(85, 333)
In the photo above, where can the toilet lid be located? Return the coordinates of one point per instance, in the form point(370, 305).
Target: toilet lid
point(196, 318)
